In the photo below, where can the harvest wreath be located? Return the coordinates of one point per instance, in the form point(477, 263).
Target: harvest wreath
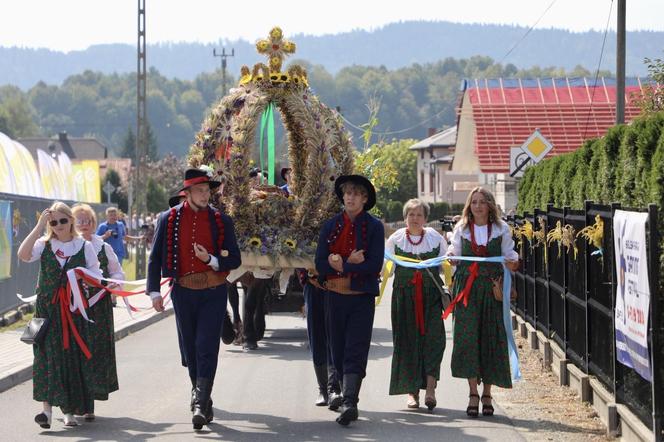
point(273, 229)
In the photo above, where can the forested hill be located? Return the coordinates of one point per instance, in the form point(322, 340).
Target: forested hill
point(104, 105)
point(393, 46)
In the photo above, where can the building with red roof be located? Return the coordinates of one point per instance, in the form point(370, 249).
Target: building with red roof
point(497, 114)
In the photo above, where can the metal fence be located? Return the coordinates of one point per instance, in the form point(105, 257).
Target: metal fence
point(25, 211)
point(570, 296)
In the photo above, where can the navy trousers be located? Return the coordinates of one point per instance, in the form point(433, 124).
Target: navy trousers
point(253, 321)
point(350, 319)
point(317, 326)
point(200, 316)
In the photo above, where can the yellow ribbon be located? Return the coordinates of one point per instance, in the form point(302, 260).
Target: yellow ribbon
point(447, 274)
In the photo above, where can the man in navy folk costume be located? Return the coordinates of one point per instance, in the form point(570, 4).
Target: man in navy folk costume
point(349, 259)
point(195, 245)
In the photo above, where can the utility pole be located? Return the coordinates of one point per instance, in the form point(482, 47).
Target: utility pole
point(223, 55)
point(141, 118)
point(620, 63)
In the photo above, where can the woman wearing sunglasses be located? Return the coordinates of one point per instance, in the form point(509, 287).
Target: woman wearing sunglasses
point(61, 374)
point(102, 333)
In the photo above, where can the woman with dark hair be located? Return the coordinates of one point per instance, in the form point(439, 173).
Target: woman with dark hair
point(480, 351)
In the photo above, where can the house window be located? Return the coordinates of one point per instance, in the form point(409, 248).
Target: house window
point(421, 154)
point(432, 189)
point(421, 182)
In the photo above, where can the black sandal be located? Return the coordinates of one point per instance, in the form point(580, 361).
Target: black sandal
point(473, 410)
point(487, 409)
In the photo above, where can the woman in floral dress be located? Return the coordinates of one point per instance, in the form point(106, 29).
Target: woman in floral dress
point(480, 344)
point(59, 376)
point(418, 332)
point(101, 332)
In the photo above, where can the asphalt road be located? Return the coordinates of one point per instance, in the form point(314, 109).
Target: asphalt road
point(265, 395)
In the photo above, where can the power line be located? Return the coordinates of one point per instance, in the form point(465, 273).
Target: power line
point(599, 64)
point(527, 32)
point(393, 132)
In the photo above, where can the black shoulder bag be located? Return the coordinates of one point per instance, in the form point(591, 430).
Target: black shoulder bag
point(35, 331)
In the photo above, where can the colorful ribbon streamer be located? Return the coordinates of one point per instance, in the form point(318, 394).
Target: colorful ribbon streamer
point(267, 122)
point(507, 285)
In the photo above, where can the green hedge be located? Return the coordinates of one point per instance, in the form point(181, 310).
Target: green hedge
point(625, 166)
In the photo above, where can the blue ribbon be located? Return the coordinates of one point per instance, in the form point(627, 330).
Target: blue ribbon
point(507, 286)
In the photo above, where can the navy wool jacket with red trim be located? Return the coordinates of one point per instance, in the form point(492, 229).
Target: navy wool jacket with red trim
point(159, 264)
point(364, 277)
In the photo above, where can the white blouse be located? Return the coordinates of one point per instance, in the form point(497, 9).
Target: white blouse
point(114, 268)
point(64, 250)
point(497, 230)
point(432, 239)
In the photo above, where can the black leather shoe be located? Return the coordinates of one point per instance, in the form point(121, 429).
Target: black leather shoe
point(334, 400)
point(201, 403)
point(334, 397)
point(250, 345)
point(321, 378)
point(209, 413)
point(43, 420)
point(348, 411)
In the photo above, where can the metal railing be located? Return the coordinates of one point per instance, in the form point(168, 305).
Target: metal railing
point(570, 296)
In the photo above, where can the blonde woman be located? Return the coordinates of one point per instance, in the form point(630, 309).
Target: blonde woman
point(60, 377)
point(480, 344)
point(102, 333)
point(418, 332)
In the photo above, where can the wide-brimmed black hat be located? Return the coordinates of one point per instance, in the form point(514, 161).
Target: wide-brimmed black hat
point(198, 176)
point(283, 172)
point(175, 199)
point(359, 180)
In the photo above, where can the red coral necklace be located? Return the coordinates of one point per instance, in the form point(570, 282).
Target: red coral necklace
point(415, 243)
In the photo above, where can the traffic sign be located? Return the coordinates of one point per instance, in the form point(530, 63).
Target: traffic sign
point(536, 146)
point(519, 160)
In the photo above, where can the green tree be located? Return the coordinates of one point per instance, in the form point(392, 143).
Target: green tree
point(128, 149)
point(119, 195)
point(168, 172)
point(626, 180)
point(157, 197)
point(652, 99)
point(152, 144)
point(16, 113)
point(392, 169)
point(4, 123)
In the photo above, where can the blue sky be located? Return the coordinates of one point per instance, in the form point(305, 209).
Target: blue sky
point(76, 24)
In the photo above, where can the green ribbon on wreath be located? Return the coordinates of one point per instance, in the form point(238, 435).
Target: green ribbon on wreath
point(267, 123)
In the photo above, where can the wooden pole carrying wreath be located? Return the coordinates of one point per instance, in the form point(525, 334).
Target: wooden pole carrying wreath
point(268, 223)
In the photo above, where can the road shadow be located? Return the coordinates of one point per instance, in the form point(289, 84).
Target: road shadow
point(108, 428)
point(372, 426)
point(291, 344)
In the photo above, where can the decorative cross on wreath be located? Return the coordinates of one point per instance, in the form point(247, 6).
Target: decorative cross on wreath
point(276, 48)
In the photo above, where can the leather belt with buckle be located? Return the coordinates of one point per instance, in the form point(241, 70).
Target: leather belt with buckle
point(202, 280)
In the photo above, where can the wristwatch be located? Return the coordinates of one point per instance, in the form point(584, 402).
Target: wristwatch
point(209, 259)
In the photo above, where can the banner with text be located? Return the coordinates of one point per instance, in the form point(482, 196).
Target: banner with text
point(633, 291)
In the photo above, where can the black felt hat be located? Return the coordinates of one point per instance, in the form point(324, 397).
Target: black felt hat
point(175, 199)
point(198, 176)
point(360, 181)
